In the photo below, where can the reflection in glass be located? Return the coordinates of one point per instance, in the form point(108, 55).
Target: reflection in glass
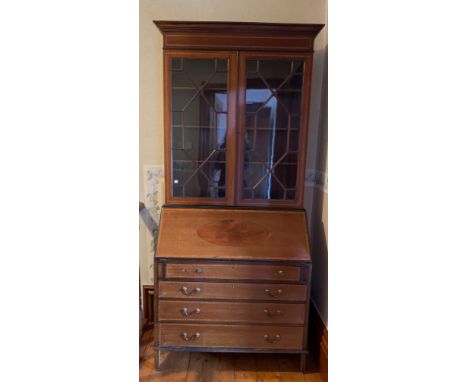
point(199, 125)
point(272, 122)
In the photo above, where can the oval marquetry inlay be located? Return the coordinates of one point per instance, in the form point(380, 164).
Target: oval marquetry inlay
point(233, 232)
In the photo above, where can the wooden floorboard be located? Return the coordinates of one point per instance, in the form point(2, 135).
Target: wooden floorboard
point(175, 367)
point(245, 368)
point(211, 367)
point(289, 366)
point(220, 367)
point(225, 372)
point(268, 368)
point(198, 367)
point(146, 343)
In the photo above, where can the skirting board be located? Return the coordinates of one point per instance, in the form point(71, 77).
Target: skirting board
point(318, 342)
point(148, 304)
point(323, 364)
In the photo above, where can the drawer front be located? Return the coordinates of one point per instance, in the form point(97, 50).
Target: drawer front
point(232, 291)
point(232, 336)
point(233, 271)
point(232, 312)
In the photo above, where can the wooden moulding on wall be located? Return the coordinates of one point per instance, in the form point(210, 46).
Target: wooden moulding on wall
point(238, 35)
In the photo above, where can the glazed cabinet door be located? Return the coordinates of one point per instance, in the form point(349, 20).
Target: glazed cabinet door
point(200, 106)
point(272, 126)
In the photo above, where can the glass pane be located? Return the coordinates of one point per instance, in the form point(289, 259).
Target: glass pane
point(272, 122)
point(199, 125)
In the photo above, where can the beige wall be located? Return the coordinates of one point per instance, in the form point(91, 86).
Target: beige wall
point(151, 75)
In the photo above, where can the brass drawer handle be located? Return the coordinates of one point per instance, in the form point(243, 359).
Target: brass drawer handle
point(272, 340)
point(281, 272)
point(197, 270)
point(187, 313)
point(272, 293)
point(272, 314)
point(188, 292)
point(186, 337)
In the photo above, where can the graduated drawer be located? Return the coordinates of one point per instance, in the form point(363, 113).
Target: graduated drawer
point(232, 312)
point(232, 336)
point(232, 271)
point(232, 291)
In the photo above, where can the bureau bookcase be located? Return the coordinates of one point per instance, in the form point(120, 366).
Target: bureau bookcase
point(232, 263)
